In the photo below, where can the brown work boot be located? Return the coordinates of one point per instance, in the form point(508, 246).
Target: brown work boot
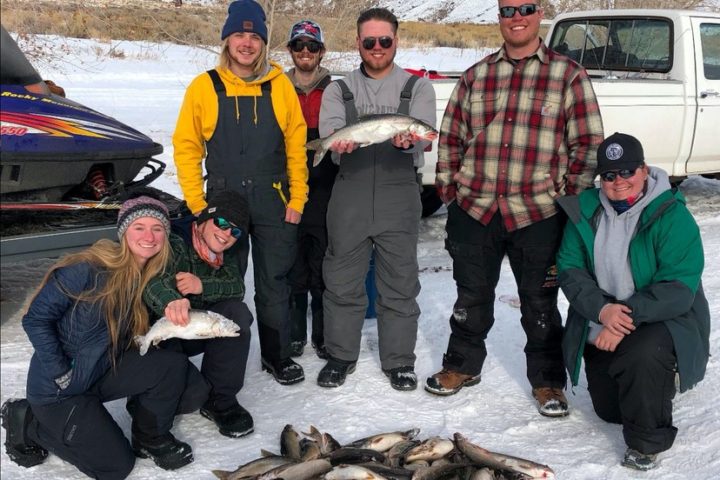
point(551, 401)
point(449, 382)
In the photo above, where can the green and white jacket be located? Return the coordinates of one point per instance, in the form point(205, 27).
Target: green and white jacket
point(666, 260)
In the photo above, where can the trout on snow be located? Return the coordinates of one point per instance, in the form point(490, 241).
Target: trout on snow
point(372, 129)
point(203, 324)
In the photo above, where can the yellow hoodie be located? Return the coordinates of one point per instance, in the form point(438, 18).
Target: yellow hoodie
point(198, 118)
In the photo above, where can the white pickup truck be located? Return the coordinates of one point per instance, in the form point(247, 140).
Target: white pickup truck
point(656, 74)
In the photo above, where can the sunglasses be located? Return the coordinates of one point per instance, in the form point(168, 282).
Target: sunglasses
point(612, 175)
point(223, 224)
point(368, 43)
point(525, 10)
point(312, 47)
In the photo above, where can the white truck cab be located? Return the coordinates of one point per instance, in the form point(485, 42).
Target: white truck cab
point(656, 74)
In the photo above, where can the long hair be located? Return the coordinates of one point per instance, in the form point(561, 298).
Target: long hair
point(258, 66)
point(121, 294)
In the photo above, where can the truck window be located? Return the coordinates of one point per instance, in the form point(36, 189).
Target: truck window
point(710, 39)
point(617, 44)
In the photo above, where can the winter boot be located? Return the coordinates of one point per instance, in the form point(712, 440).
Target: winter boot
point(402, 378)
point(166, 451)
point(551, 401)
point(285, 371)
point(334, 372)
point(639, 461)
point(16, 415)
point(449, 382)
point(233, 421)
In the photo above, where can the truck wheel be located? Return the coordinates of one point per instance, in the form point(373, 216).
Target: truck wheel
point(430, 200)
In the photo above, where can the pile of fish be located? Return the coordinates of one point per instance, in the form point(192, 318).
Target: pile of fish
point(386, 456)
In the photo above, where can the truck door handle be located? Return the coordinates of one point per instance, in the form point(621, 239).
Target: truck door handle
point(709, 93)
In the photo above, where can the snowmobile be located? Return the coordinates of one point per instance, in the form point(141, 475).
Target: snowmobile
point(62, 165)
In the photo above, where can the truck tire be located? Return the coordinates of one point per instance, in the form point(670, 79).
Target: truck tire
point(430, 200)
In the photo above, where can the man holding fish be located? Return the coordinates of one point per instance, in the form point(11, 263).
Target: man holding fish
point(203, 274)
point(375, 204)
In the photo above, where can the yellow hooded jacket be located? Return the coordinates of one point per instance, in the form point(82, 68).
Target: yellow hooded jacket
point(198, 118)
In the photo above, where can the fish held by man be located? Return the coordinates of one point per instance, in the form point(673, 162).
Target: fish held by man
point(372, 129)
point(203, 324)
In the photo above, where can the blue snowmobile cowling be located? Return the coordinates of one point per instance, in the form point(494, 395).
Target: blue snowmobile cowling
point(53, 149)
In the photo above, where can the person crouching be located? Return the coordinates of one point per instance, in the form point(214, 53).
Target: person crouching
point(204, 274)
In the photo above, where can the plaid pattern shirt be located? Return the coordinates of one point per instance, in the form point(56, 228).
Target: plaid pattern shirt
point(220, 284)
point(518, 134)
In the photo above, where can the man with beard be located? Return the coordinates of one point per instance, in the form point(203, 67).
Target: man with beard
point(375, 205)
point(306, 47)
point(520, 130)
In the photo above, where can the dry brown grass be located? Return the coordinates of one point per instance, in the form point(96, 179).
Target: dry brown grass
point(200, 25)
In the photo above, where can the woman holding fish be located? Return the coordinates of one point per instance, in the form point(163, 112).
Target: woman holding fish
point(81, 324)
point(243, 118)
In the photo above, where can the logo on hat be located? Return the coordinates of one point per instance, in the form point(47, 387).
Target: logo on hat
point(247, 25)
point(614, 151)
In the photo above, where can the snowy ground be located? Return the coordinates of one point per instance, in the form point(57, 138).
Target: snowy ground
point(145, 90)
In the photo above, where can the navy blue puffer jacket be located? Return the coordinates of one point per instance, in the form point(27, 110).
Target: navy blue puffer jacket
point(66, 334)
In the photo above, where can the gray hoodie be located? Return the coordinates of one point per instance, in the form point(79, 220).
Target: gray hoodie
point(612, 242)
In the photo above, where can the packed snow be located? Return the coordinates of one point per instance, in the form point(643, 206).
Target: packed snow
point(144, 87)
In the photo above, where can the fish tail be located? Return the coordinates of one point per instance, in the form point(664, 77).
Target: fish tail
point(142, 344)
point(319, 151)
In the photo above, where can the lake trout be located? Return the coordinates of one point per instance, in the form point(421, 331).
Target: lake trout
point(372, 129)
point(203, 325)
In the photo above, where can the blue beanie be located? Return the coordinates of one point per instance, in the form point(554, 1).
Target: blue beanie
point(245, 16)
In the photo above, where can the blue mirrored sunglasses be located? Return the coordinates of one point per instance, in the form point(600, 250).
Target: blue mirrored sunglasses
point(613, 174)
point(224, 224)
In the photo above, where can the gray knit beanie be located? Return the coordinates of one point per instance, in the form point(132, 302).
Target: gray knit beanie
point(142, 206)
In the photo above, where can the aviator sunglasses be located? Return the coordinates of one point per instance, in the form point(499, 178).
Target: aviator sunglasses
point(298, 46)
point(223, 224)
point(525, 10)
point(612, 175)
point(369, 42)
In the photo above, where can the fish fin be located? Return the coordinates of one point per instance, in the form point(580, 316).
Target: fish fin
point(221, 474)
point(267, 453)
point(313, 431)
point(412, 433)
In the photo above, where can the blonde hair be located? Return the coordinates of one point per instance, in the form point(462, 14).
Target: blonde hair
point(121, 294)
point(258, 66)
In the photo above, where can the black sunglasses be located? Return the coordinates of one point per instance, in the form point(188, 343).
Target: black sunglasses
point(368, 43)
point(312, 46)
point(223, 224)
point(525, 10)
point(612, 175)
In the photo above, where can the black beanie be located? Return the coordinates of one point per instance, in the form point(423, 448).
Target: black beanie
point(229, 205)
point(245, 16)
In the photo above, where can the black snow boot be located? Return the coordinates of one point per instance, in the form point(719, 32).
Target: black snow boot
point(166, 451)
point(334, 372)
point(16, 415)
point(402, 378)
point(285, 371)
point(233, 421)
